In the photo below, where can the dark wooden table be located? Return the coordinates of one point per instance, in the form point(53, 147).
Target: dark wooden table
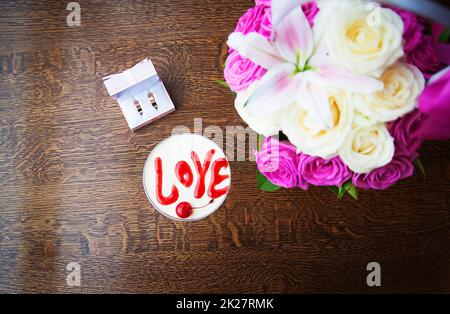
point(71, 172)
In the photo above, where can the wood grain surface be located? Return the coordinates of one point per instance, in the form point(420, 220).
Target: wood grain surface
point(71, 172)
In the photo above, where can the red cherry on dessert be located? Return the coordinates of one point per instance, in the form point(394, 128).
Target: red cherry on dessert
point(184, 210)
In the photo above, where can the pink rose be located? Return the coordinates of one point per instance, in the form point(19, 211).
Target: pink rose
point(264, 2)
point(240, 72)
point(310, 10)
point(413, 29)
point(425, 58)
point(266, 24)
point(434, 102)
point(382, 178)
point(322, 172)
point(442, 49)
point(251, 20)
point(277, 161)
point(407, 133)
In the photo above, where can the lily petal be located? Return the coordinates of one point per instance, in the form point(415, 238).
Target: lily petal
point(321, 56)
point(314, 99)
point(320, 98)
point(294, 37)
point(278, 88)
point(266, 126)
point(256, 48)
point(355, 83)
point(280, 8)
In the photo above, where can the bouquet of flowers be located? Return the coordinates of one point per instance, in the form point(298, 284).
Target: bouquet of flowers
point(342, 93)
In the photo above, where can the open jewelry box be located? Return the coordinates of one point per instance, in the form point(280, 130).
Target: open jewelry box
point(140, 93)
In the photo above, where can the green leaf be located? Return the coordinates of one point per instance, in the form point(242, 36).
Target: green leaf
point(341, 192)
point(444, 36)
point(334, 189)
point(347, 187)
point(223, 83)
point(259, 140)
point(264, 184)
point(351, 189)
point(418, 164)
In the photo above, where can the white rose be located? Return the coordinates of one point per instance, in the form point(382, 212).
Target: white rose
point(361, 120)
point(360, 37)
point(368, 148)
point(267, 125)
point(302, 130)
point(403, 83)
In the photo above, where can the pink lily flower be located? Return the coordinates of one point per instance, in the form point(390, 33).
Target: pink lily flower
point(297, 69)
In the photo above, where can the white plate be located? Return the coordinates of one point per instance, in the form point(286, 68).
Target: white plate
point(172, 150)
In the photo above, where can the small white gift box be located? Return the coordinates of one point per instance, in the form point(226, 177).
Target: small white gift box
point(140, 93)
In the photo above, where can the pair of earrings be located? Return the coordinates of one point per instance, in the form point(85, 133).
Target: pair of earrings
point(151, 98)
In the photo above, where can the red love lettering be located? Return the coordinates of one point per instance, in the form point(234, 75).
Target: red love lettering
point(173, 197)
point(217, 178)
point(201, 170)
point(185, 176)
point(184, 173)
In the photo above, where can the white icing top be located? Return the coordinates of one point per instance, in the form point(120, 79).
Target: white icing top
point(172, 150)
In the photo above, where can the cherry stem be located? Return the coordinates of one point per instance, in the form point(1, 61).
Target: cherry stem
point(197, 207)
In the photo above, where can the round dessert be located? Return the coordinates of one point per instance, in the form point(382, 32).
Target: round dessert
point(187, 177)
